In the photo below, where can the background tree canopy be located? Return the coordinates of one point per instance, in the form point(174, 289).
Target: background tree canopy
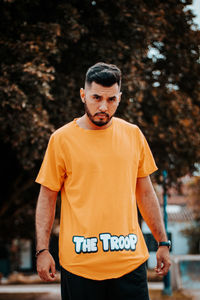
point(46, 48)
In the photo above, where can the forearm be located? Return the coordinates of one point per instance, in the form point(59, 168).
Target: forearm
point(150, 209)
point(45, 214)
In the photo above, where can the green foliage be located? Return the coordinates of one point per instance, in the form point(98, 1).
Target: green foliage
point(46, 48)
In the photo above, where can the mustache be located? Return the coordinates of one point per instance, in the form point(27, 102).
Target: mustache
point(101, 113)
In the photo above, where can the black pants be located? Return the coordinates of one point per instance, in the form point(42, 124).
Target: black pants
point(132, 286)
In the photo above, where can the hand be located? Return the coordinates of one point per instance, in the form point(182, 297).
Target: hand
point(46, 266)
point(163, 261)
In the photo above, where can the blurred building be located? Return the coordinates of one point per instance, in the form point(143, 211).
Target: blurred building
point(180, 217)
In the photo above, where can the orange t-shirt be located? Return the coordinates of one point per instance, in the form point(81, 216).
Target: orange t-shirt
point(96, 171)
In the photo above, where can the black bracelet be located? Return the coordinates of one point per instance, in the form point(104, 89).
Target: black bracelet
point(168, 244)
point(40, 251)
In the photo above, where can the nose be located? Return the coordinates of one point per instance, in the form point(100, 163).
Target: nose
point(103, 106)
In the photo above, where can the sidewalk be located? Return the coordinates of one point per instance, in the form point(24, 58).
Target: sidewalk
point(31, 291)
point(51, 291)
point(155, 285)
point(30, 288)
point(53, 288)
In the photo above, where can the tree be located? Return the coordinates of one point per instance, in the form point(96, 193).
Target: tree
point(46, 48)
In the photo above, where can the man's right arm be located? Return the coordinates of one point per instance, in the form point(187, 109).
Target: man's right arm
point(45, 214)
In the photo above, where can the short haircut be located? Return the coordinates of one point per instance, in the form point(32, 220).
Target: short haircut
point(103, 74)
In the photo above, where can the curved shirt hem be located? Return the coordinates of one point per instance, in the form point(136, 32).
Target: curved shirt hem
point(102, 276)
point(46, 184)
point(147, 173)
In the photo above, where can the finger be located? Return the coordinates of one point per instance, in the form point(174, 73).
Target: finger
point(165, 268)
point(53, 270)
point(48, 277)
point(45, 275)
point(159, 265)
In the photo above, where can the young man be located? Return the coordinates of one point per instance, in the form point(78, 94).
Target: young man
point(101, 165)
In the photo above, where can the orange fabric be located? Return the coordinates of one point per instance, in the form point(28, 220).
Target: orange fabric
point(96, 171)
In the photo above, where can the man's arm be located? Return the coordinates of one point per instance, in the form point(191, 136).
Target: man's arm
point(150, 210)
point(45, 214)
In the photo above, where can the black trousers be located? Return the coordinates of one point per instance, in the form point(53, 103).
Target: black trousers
point(131, 286)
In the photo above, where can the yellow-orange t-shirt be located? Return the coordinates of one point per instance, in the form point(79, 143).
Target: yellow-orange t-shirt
point(96, 171)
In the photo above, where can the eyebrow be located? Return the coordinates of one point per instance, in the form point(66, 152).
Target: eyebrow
point(96, 95)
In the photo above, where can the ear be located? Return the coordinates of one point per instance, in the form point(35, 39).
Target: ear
point(119, 99)
point(82, 95)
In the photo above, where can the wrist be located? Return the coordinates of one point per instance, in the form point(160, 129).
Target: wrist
point(38, 252)
point(165, 244)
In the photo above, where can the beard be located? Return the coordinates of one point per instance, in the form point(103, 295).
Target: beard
point(92, 117)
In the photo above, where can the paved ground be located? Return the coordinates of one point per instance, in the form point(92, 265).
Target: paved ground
point(194, 293)
point(30, 291)
point(50, 288)
point(30, 288)
point(52, 291)
point(30, 296)
point(49, 297)
point(41, 291)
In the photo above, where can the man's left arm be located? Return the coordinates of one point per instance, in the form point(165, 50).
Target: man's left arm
point(150, 210)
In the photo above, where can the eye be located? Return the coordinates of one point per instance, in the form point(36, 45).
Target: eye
point(112, 99)
point(96, 97)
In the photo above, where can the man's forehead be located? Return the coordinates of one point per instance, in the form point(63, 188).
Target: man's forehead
point(96, 88)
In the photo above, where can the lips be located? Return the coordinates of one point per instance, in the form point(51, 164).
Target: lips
point(102, 115)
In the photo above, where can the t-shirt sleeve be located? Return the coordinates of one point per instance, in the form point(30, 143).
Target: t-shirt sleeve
point(146, 161)
point(52, 172)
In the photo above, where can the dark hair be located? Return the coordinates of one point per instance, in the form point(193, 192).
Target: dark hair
point(104, 74)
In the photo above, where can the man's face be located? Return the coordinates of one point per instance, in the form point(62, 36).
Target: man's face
point(100, 102)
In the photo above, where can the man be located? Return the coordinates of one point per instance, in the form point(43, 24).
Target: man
point(101, 165)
